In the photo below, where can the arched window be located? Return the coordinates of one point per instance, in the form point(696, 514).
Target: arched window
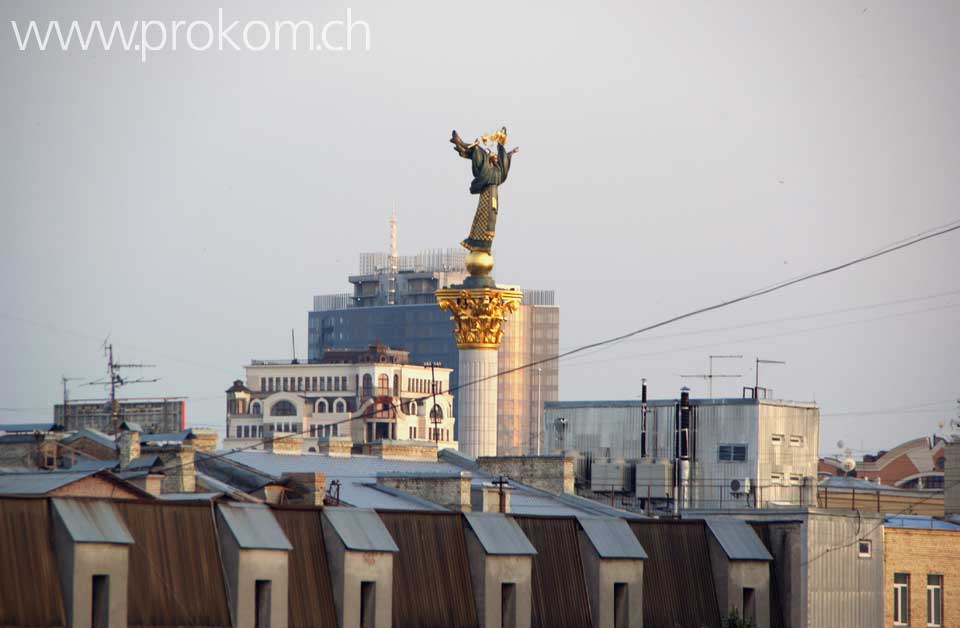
point(436, 412)
point(412, 408)
point(396, 385)
point(339, 405)
point(283, 408)
point(255, 408)
point(368, 385)
point(321, 406)
point(383, 385)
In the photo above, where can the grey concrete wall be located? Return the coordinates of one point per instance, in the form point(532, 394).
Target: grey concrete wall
point(489, 573)
point(601, 575)
point(348, 570)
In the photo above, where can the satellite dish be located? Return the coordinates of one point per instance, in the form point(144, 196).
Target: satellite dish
point(839, 444)
point(849, 464)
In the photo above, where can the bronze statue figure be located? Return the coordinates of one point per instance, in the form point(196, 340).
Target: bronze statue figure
point(490, 168)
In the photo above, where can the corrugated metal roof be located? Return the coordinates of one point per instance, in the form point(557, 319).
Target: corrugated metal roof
point(254, 527)
point(38, 482)
point(189, 497)
point(409, 502)
point(499, 534)
point(90, 521)
point(360, 529)
point(738, 540)
point(612, 537)
point(919, 522)
point(91, 464)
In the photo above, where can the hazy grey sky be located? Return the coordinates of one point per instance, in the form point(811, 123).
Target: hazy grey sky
point(673, 155)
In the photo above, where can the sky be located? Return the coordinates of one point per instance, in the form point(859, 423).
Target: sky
point(673, 155)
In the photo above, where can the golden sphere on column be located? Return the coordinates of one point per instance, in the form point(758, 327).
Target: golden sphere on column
point(479, 263)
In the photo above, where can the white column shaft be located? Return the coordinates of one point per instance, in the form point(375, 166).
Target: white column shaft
point(478, 402)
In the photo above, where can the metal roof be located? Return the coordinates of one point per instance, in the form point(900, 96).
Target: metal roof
point(498, 534)
point(360, 529)
point(919, 522)
point(738, 540)
point(167, 437)
point(27, 427)
point(92, 464)
point(253, 526)
point(612, 537)
point(89, 521)
point(144, 463)
point(92, 434)
point(189, 497)
point(38, 482)
point(18, 438)
point(131, 426)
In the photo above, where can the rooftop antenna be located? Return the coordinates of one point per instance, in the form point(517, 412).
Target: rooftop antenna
point(710, 376)
point(293, 345)
point(115, 381)
point(756, 389)
point(394, 260)
point(64, 379)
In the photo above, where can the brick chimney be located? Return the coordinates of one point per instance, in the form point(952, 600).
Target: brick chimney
point(308, 488)
point(486, 498)
point(553, 474)
point(284, 443)
point(129, 447)
point(448, 490)
point(335, 446)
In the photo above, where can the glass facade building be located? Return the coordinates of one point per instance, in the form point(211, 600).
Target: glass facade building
point(416, 324)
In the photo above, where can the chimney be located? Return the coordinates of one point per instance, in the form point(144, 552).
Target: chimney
point(335, 446)
point(180, 474)
point(486, 498)
point(283, 443)
point(308, 488)
point(206, 439)
point(448, 490)
point(553, 474)
point(129, 447)
point(401, 449)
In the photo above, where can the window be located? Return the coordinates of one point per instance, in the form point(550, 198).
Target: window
point(336, 383)
point(313, 386)
point(508, 605)
point(100, 604)
point(436, 412)
point(901, 599)
point(776, 478)
point(367, 385)
point(776, 439)
point(323, 383)
point(864, 549)
point(343, 382)
point(321, 406)
point(283, 408)
point(796, 441)
point(261, 607)
point(255, 408)
point(286, 383)
point(621, 601)
point(339, 406)
point(368, 604)
point(263, 383)
point(732, 453)
point(383, 385)
point(299, 384)
point(935, 600)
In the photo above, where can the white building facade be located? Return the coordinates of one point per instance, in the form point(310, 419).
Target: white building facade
point(369, 395)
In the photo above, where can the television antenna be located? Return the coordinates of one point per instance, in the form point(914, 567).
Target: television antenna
point(759, 361)
point(710, 376)
point(114, 380)
point(63, 380)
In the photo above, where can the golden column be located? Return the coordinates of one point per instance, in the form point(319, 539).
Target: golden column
point(478, 310)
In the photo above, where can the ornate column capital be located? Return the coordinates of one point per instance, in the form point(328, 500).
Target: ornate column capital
point(478, 314)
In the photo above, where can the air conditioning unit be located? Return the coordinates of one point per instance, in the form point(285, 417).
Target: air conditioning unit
point(740, 487)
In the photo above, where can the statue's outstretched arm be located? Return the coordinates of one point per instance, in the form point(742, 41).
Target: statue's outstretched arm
point(462, 148)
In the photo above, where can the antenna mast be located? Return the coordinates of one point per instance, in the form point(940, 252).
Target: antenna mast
point(756, 390)
point(710, 376)
point(116, 381)
point(394, 260)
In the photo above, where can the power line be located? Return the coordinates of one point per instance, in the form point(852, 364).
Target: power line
point(923, 236)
